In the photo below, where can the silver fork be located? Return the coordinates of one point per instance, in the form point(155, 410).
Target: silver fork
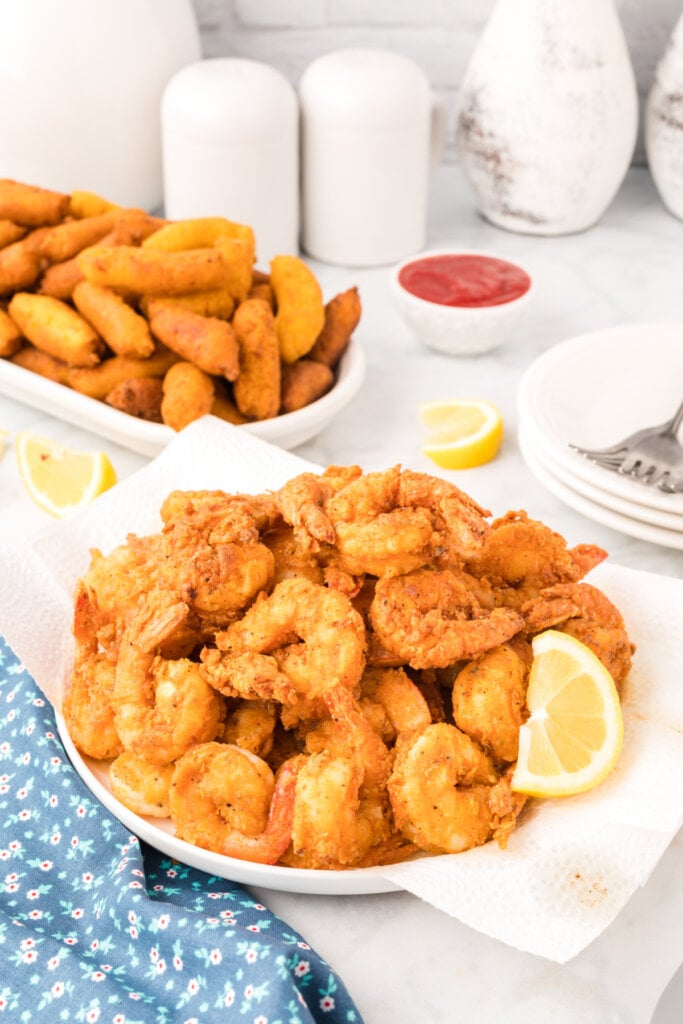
point(653, 455)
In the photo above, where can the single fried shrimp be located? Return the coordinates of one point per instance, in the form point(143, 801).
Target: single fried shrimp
point(489, 700)
point(88, 709)
point(443, 791)
point(586, 613)
point(227, 800)
point(520, 556)
point(430, 619)
point(162, 707)
point(314, 636)
point(141, 786)
point(290, 559)
point(392, 522)
point(403, 706)
point(251, 726)
point(335, 824)
point(210, 554)
point(301, 501)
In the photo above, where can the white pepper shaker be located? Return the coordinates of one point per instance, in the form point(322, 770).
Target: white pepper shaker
point(371, 129)
point(230, 147)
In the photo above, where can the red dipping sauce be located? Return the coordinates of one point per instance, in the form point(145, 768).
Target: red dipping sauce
point(464, 279)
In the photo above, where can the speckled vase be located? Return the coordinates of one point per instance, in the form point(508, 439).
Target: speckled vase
point(664, 124)
point(548, 115)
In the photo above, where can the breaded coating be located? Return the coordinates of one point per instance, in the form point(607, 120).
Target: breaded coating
point(303, 382)
point(99, 381)
point(257, 389)
point(56, 328)
point(342, 314)
point(31, 205)
point(300, 313)
point(152, 270)
point(125, 331)
point(10, 335)
point(208, 342)
point(139, 396)
point(188, 394)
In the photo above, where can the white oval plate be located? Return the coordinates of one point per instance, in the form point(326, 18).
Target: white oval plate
point(596, 388)
point(598, 513)
point(631, 509)
point(286, 431)
point(159, 834)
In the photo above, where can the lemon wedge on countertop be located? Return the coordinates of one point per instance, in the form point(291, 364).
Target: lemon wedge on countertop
point(574, 733)
point(58, 479)
point(461, 432)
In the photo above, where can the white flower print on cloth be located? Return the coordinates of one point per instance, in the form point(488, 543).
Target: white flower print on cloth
point(97, 928)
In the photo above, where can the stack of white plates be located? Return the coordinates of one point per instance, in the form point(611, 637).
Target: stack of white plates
point(592, 391)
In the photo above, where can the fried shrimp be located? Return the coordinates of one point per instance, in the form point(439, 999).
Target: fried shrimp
point(430, 619)
point(88, 708)
point(162, 707)
point(141, 786)
point(445, 793)
point(403, 706)
point(586, 613)
point(227, 800)
point(301, 500)
point(392, 522)
point(311, 636)
point(489, 696)
point(211, 554)
point(520, 556)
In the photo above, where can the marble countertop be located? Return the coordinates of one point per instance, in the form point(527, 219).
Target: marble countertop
point(403, 960)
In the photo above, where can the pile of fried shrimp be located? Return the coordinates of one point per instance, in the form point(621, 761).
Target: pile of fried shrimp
point(331, 675)
point(164, 320)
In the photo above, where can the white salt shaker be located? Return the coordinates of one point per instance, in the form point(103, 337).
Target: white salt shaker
point(230, 147)
point(371, 131)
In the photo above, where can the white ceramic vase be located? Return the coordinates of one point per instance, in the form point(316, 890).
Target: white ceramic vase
point(664, 124)
point(548, 114)
point(81, 82)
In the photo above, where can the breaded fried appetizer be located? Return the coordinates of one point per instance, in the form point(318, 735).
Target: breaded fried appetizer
point(303, 382)
point(56, 328)
point(257, 389)
point(140, 396)
point(10, 232)
point(20, 266)
point(30, 205)
point(342, 314)
point(99, 381)
point(31, 358)
point(188, 393)
point(125, 331)
point(10, 335)
point(300, 313)
point(153, 271)
point(208, 342)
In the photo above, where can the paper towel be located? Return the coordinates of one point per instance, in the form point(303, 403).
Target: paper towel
point(572, 863)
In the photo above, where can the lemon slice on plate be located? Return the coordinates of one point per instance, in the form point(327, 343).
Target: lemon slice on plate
point(461, 433)
point(574, 732)
point(58, 479)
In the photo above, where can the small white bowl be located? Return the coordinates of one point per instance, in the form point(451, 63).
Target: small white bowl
point(459, 330)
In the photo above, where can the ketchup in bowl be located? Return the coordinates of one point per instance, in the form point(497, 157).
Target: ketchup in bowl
point(464, 279)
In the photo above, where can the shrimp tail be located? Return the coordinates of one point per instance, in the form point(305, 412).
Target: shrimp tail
point(269, 846)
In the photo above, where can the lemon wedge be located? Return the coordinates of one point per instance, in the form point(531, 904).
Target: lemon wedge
point(58, 479)
point(461, 433)
point(573, 736)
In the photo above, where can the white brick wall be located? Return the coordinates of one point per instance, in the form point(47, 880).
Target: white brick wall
point(438, 34)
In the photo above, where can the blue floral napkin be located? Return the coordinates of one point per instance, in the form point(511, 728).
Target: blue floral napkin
point(95, 926)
